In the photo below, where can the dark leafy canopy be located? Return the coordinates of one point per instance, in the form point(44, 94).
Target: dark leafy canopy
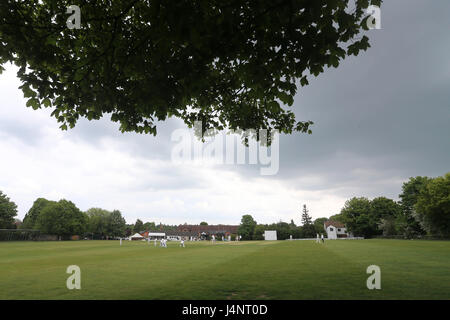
point(116, 223)
point(62, 218)
point(369, 218)
point(138, 226)
point(29, 221)
point(8, 210)
point(410, 193)
point(356, 214)
point(230, 64)
point(433, 206)
point(306, 218)
point(103, 224)
point(318, 224)
point(247, 227)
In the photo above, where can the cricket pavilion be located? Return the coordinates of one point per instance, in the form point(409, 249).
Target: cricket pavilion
point(192, 232)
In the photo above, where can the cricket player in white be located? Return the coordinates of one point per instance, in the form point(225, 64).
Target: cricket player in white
point(182, 243)
point(317, 240)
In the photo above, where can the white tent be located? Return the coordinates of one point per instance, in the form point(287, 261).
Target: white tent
point(136, 236)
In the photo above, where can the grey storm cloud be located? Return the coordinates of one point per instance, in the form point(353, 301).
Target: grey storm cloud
point(386, 111)
point(380, 117)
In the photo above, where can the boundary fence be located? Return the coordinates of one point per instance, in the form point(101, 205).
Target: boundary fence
point(26, 235)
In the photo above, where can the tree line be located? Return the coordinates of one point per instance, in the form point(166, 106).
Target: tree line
point(64, 219)
point(249, 229)
point(423, 210)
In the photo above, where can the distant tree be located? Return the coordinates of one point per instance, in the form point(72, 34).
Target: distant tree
point(98, 222)
point(29, 221)
point(116, 224)
point(247, 227)
point(382, 207)
point(362, 225)
point(62, 218)
point(8, 210)
point(385, 212)
point(433, 206)
point(138, 226)
point(203, 223)
point(337, 217)
point(308, 231)
point(150, 226)
point(258, 232)
point(407, 222)
point(294, 230)
point(283, 230)
point(167, 228)
point(129, 230)
point(229, 64)
point(388, 226)
point(356, 214)
point(318, 225)
point(306, 219)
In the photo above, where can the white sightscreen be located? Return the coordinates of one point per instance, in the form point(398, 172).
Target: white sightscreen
point(270, 235)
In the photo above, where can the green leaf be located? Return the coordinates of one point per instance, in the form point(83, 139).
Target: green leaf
point(304, 81)
point(46, 102)
point(33, 103)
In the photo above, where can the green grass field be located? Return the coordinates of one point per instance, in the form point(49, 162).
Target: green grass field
point(243, 270)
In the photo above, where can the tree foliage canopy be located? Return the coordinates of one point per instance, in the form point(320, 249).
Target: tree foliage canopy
point(306, 218)
point(318, 224)
point(29, 221)
point(61, 218)
point(229, 64)
point(103, 223)
point(247, 227)
point(138, 226)
point(408, 222)
point(8, 210)
point(356, 214)
point(433, 206)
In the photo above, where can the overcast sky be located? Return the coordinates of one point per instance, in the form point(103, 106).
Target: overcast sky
point(380, 118)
